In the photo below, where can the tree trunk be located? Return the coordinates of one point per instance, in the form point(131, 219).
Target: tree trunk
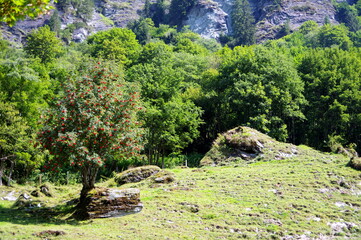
point(2, 168)
point(163, 159)
point(88, 176)
point(10, 172)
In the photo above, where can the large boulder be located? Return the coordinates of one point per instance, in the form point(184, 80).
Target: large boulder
point(25, 201)
point(355, 163)
point(105, 203)
point(163, 176)
point(136, 174)
point(244, 144)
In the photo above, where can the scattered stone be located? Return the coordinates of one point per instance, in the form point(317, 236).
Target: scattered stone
point(355, 163)
point(11, 196)
point(35, 193)
point(316, 219)
point(136, 174)
point(341, 204)
point(25, 196)
point(48, 233)
point(105, 203)
point(338, 227)
point(163, 177)
point(323, 190)
point(273, 221)
point(25, 201)
point(45, 190)
point(193, 208)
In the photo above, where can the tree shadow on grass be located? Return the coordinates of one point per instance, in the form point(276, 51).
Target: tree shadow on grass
point(57, 215)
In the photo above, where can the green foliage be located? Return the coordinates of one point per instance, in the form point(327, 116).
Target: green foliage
point(95, 121)
point(14, 10)
point(186, 45)
point(243, 23)
point(115, 44)
point(13, 137)
point(142, 29)
point(308, 27)
point(178, 10)
point(171, 121)
point(285, 29)
point(253, 89)
point(44, 44)
point(329, 36)
point(85, 9)
point(54, 22)
point(332, 88)
point(159, 14)
point(348, 15)
point(21, 84)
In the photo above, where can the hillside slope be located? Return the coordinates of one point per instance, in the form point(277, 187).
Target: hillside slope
point(309, 197)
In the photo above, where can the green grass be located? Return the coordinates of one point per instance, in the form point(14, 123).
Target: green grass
point(268, 200)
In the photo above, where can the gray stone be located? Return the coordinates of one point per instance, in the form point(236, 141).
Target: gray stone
point(10, 197)
point(136, 174)
point(105, 203)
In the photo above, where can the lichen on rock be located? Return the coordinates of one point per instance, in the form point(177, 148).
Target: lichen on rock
point(244, 144)
point(136, 174)
point(106, 202)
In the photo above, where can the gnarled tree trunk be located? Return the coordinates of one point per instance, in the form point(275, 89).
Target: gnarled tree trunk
point(2, 168)
point(88, 176)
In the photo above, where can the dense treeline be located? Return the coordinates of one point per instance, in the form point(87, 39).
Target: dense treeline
point(304, 88)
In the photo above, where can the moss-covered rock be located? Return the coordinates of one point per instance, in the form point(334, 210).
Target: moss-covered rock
point(136, 174)
point(355, 163)
point(246, 144)
point(163, 176)
point(25, 201)
point(107, 202)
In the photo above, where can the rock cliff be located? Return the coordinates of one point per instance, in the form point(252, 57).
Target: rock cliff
point(209, 18)
point(105, 14)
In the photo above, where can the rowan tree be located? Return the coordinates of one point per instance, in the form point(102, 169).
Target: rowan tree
point(93, 121)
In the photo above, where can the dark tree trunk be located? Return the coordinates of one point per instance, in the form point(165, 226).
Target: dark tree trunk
point(2, 168)
point(10, 172)
point(88, 176)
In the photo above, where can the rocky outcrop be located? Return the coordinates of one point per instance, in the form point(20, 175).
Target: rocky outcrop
point(105, 203)
point(106, 14)
point(212, 18)
point(355, 163)
point(272, 19)
point(209, 18)
point(244, 144)
point(136, 174)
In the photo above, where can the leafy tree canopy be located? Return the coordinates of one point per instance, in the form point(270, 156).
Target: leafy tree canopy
point(14, 10)
point(118, 44)
point(94, 121)
point(44, 44)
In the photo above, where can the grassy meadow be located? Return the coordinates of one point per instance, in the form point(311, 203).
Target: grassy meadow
point(313, 197)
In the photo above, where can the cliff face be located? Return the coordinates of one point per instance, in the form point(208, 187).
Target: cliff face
point(209, 18)
point(105, 14)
